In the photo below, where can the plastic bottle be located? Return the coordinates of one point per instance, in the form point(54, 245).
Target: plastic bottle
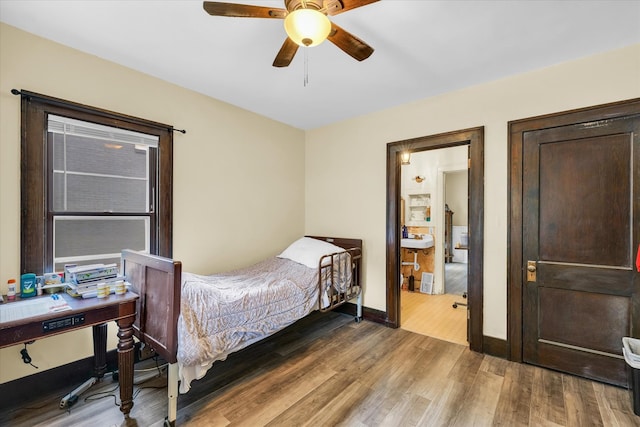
point(28, 285)
point(11, 293)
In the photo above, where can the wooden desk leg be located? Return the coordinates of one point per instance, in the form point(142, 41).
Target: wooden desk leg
point(125, 364)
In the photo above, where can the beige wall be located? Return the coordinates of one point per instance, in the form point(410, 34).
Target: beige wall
point(331, 150)
point(231, 208)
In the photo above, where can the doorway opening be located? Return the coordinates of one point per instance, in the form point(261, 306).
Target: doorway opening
point(473, 141)
point(456, 233)
point(434, 215)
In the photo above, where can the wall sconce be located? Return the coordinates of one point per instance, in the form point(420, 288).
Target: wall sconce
point(419, 178)
point(405, 158)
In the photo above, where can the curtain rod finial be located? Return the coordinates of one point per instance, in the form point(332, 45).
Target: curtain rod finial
point(16, 92)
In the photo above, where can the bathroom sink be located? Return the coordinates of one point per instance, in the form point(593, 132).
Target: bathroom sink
point(424, 243)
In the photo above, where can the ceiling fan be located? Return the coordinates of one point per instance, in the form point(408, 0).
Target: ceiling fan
point(305, 22)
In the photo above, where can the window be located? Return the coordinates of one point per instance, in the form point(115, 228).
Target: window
point(93, 183)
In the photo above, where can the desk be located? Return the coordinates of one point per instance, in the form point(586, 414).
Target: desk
point(95, 312)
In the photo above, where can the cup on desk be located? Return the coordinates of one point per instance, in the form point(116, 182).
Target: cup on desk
point(102, 290)
point(121, 288)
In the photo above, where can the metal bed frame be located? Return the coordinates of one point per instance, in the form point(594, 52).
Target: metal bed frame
point(157, 281)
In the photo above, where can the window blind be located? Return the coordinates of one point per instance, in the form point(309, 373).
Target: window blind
point(67, 126)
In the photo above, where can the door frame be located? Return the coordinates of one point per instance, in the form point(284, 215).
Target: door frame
point(515, 261)
point(474, 138)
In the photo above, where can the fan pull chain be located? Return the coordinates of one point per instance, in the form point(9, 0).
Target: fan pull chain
point(306, 67)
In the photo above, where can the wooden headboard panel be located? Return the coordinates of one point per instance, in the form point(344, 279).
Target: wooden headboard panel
point(157, 282)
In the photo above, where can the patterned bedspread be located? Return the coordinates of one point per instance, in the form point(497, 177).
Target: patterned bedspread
point(223, 313)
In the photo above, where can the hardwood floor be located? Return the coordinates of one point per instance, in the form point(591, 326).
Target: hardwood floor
point(327, 370)
point(434, 316)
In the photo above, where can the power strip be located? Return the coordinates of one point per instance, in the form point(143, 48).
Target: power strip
point(70, 399)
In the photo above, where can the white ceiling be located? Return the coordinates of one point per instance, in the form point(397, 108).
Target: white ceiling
point(422, 48)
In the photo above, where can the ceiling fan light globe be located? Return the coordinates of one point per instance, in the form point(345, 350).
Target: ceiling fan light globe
point(307, 27)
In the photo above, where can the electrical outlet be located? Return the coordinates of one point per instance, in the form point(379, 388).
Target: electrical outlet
point(146, 352)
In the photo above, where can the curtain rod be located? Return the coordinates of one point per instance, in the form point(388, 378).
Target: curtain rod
point(81, 107)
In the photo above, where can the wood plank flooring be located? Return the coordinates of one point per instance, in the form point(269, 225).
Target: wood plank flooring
point(327, 370)
point(434, 316)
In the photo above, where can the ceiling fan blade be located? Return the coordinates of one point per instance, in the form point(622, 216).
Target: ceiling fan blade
point(286, 53)
point(349, 43)
point(236, 10)
point(334, 7)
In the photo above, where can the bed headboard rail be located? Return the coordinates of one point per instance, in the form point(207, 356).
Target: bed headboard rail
point(157, 282)
point(347, 244)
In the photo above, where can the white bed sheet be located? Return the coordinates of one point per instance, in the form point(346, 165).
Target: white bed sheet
point(223, 313)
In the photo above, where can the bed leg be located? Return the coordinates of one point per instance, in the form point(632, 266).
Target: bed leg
point(172, 395)
point(359, 308)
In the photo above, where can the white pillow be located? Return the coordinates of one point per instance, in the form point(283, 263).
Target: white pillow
point(308, 251)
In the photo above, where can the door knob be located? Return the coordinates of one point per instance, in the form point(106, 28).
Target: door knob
point(531, 271)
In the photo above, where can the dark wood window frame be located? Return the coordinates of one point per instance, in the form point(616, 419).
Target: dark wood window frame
point(36, 223)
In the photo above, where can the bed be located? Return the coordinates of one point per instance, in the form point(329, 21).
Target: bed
point(194, 320)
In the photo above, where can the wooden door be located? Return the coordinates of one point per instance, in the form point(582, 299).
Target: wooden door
point(580, 218)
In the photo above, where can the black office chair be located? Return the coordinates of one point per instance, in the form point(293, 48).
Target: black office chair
point(456, 304)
